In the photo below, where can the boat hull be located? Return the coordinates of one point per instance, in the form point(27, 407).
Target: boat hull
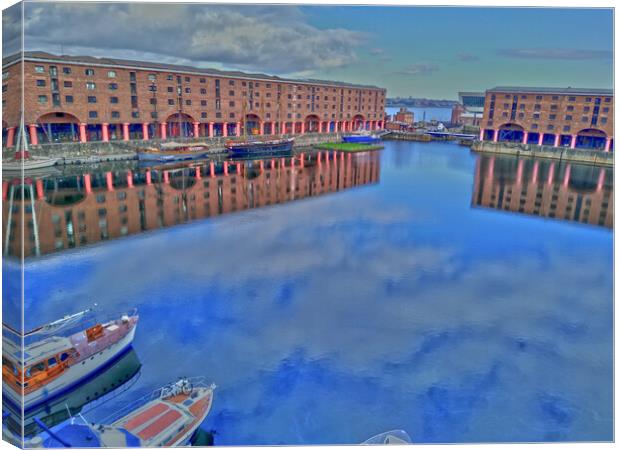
point(34, 164)
point(260, 148)
point(360, 139)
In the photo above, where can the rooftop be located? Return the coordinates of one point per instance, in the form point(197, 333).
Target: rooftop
point(148, 65)
point(552, 90)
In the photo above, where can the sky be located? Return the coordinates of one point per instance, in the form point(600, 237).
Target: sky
point(431, 52)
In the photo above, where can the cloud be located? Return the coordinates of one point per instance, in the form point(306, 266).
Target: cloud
point(272, 39)
point(376, 51)
point(556, 53)
point(11, 30)
point(419, 69)
point(467, 57)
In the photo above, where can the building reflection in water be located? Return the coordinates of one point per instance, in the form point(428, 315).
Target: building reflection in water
point(73, 211)
point(545, 188)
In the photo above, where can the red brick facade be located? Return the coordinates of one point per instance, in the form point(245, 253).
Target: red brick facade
point(102, 99)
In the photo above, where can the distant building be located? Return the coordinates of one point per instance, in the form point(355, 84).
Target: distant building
point(469, 110)
point(559, 117)
point(404, 116)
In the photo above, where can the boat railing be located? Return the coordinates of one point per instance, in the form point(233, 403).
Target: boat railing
point(162, 392)
point(67, 325)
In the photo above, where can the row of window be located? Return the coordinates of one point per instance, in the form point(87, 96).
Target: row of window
point(538, 107)
point(554, 97)
point(53, 70)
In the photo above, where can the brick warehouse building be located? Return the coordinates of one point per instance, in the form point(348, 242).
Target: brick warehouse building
point(560, 117)
point(81, 98)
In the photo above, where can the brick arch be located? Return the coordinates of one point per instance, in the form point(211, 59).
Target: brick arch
point(251, 122)
point(58, 126)
point(58, 117)
point(312, 123)
point(510, 132)
point(179, 124)
point(358, 121)
point(591, 138)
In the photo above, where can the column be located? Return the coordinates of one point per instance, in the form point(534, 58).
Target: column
point(225, 167)
point(550, 175)
point(566, 175)
point(495, 135)
point(211, 169)
point(273, 127)
point(196, 129)
point(198, 176)
point(82, 132)
point(303, 127)
point(34, 139)
point(87, 183)
point(601, 180)
point(573, 141)
point(525, 135)
point(481, 135)
point(162, 130)
point(10, 136)
point(225, 129)
point(556, 141)
point(336, 127)
point(129, 179)
point(320, 126)
point(40, 190)
point(109, 181)
point(535, 173)
point(105, 132)
point(125, 132)
point(145, 131)
point(211, 129)
point(238, 128)
point(261, 130)
point(520, 171)
point(166, 177)
point(283, 128)
point(540, 138)
point(607, 144)
point(149, 180)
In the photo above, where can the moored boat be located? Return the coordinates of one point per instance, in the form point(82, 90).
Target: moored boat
point(167, 417)
point(27, 162)
point(260, 147)
point(55, 364)
point(172, 151)
point(361, 137)
point(389, 437)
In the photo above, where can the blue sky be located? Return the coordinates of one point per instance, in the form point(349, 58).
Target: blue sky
point(419, 51)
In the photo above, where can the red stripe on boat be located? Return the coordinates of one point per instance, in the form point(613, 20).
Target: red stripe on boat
point(145, 416)
point(159, 425)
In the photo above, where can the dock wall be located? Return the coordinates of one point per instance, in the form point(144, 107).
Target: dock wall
point(594, 157)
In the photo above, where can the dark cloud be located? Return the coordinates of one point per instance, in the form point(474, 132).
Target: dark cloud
point(556, 53)
point(266, 38)
point(419, 69)
point(11, 30)
point(467, 57)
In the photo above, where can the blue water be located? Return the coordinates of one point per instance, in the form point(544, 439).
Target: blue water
point(391, 305)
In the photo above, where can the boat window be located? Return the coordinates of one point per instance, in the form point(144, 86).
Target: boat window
point(51, 362)
point(64, 356)
point(33, 370)
point(9, 365)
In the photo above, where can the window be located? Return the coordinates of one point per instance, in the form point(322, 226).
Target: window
point(170, 89)
point(188, 90)
point(232, 115)
point(586, 109)
point(203, 91)
point(39, 69)
point(188, 102)
point(603, 120)
point(554, 107)
point(588, 99)
point(568, 118)
point(571, 99)
point(67, 84)
point(552, 116)
point(605, 110)
point(90, 85)
point(135, 114)
point(42, 99)
point(114, 100)
point(570, 108)
point(549, 127)
point(41, 83)
point(170, 102)
point(231, 104)
point(203, 103)
point(132, 76)
point(566, 128)
point(152, 77)
point(116, 114)
point(539, 97)
point(89, 72)
point(584, 119)
point(231, 93)
point(153, 101)
point(5, 75)
point(169, 77)
point(66, 70)
point(203, 80)
point(92, 114)
point(112, 86)
point(534, 126)
point(203, 115)
point(187, 79)
point(92, 99)
point(69, 99)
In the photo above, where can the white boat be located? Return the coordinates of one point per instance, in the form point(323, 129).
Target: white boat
point(167, 417)
point(31, 163)
point(55, 365)
point(398, 437)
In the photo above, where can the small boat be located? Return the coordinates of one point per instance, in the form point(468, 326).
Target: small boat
point(60, 359)
point(167, 417)
point(172, 151)
point(389, 437)
point(260, 147)
point(361, 137)
point(24, 160)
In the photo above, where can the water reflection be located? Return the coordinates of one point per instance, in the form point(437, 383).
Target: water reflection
point(73, 211)
point(545, 188)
